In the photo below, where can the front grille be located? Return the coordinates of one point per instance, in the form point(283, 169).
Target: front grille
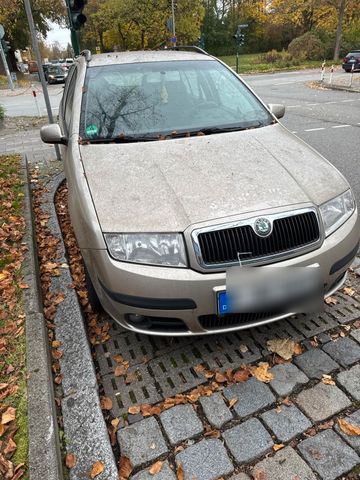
point(210, 322)
point(289, 233)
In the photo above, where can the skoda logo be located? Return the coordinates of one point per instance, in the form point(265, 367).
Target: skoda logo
point(262, 227)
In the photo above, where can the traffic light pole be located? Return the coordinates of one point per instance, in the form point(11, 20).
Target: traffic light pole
point(237, 58)
point(75, 42)
point(35, 46)
point(7, 71)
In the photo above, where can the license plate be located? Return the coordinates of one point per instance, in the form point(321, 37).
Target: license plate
point(352, 60)
point(222, 303)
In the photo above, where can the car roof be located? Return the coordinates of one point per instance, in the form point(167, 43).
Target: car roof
point(145, 56)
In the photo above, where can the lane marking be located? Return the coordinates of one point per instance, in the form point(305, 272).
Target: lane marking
point(311, 104)
point(315, 129)
point(345, 101)
point(341, 126)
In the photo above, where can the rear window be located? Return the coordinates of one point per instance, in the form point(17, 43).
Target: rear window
point(159, 98)
point(353, 54)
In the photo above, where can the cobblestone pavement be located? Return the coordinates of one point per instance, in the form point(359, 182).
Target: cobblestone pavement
point(286, 429)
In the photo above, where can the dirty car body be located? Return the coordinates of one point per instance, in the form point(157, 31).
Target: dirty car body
point(179, 176)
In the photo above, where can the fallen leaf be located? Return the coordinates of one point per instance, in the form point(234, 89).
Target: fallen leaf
point(261, 372)
point(56, 344)
point(70, 460)
point(331, 301)
point(106, 403)
point(134, 410)
point(115, 422)
point(8, 416)
point(232, 402)
point(278, 446)
point(327, 380)
point(348, 428)
point(349, 291)
point(96, 469)
point(125, 468)
point(10, 447)
point(156, 468)
point(199, 368)
point(241, 375)
point(118, 358)
point(220, 377)
point(243, 348)
point(284, 347)
point(259, 475)
point(179, 471)
point(120, 370)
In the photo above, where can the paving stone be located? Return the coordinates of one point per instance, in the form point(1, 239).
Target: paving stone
point(216, 410)
point(322, 401)
point(328, 455)
point(142, 442)
point(353, 440)
point(323, 337)
point(207, 460)
point(356, 334)
point(350, 380)
point(252, 396)
point(248, 440)
point(286, 424)
point(344, 351)
point(165, 474)
point(286, 464)
point(181, 423)
point(286, 378)
point(315, 363)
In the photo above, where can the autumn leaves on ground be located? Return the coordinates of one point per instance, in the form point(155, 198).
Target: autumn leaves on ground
point(13, 404)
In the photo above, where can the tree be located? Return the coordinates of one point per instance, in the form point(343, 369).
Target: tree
point(13, 18)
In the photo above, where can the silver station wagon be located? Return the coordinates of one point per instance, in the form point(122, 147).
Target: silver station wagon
point(182, 181)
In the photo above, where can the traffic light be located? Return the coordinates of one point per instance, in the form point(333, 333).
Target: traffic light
point(77, 18)
point(5, 45)
point(240, 38)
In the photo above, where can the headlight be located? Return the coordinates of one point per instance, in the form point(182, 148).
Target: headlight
point(336, 211)
point(51, 76)
point(167, 249)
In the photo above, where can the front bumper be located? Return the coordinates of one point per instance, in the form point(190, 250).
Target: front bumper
point(183, 298)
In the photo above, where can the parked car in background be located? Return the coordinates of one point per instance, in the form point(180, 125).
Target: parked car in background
point(68, 62)
point(46, 67)
point(56, 74)
point(181, 180)
point(352, 61)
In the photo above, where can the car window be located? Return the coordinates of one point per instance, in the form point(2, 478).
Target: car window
point(68, 98)
point(158, 98)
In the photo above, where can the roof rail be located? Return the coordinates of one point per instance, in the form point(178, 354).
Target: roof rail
point(188, 47)
point(86, 54)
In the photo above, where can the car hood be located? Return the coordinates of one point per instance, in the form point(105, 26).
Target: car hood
point(169, 185)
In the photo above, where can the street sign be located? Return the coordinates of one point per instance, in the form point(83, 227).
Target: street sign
point(173, 40)
point(2, 32)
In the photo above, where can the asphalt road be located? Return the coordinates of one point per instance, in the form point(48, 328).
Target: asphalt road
point(328, 120)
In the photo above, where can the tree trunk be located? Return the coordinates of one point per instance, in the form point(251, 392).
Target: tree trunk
point(341, 13)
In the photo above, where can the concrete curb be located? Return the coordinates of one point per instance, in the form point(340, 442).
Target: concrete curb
point(343, 88)
point(44, 446)
point(85, 430)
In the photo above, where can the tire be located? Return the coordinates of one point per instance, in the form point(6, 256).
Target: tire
point(92, 295)
point(347, 70)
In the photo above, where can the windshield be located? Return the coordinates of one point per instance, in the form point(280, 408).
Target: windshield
point(56, 70)
point(157, 99)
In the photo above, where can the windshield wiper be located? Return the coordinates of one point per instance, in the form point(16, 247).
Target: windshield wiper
point(121, 139)
point(236, 128)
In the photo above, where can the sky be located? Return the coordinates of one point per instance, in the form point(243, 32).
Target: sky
point(61, 35)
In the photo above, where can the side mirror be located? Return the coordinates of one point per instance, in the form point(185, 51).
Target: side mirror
point(277, 109)
point(52, 134)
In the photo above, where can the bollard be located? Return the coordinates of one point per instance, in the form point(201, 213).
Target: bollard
point(36, 102)
point(331, 73)
point(352, 74)
point(323, 71)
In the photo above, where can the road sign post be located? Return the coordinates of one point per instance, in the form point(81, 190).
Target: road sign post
point(3, 58)
point(35, 46)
